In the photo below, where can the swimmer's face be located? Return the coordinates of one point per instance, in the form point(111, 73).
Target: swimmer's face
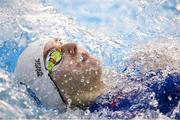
point(77, 72)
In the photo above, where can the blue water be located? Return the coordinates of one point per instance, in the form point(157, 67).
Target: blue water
point(132, 38)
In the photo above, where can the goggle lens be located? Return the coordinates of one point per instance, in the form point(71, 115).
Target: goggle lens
point(54, 57)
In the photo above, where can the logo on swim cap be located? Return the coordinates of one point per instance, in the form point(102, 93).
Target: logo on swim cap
point(38, 67)
point(54, 57)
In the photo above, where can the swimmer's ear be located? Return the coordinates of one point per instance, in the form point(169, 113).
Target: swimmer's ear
point(70, 48)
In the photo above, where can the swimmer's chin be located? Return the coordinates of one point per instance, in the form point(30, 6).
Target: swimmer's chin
point(87, 98)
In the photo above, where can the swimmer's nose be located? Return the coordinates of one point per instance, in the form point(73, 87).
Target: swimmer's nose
point(70, 48)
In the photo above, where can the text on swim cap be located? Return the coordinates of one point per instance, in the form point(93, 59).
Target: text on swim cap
point(38, 67)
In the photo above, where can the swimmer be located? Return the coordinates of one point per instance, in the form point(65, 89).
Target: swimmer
point(59, 75)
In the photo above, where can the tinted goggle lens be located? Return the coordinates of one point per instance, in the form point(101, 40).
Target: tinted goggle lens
point(54, 57)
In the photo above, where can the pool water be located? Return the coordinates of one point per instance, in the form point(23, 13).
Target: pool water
point(133, 38)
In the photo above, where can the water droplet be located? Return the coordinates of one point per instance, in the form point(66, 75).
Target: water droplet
point(23, 88)
point(65, 75)
point(81, 58)
point(91, 88)
point(82, 80)
point(62, 90)
point(79, 101)
point(71, 62)
point(25, 102)
point(37, 89)
point(154, 103)
point(170, 98)
point(87, 112)
point(87, 82)
point(69, 101)
point(70, 78)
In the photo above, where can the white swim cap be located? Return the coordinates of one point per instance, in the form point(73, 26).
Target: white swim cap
point(31, 71)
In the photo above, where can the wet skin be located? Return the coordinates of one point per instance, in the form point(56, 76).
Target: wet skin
point(78, 75)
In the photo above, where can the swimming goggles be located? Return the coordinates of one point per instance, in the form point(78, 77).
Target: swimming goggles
point(54, 57)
